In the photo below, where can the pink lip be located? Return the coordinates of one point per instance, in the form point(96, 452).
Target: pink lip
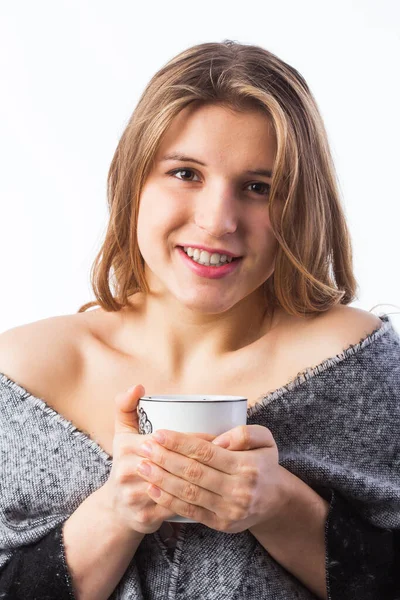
point(209, 272)
point(210, 250)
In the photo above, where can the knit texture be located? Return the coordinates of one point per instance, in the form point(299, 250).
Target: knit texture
point(38, 571)
point(364, 560)
point(336, 427)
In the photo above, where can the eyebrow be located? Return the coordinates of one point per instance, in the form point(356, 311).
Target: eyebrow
point(184, 158)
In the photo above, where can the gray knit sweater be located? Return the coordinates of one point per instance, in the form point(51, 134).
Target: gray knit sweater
point(336, 427)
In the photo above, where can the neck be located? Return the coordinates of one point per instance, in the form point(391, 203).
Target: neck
point(184, 337)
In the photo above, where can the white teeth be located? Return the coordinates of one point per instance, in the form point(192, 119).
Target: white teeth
point(215, 259)
point(205, 258)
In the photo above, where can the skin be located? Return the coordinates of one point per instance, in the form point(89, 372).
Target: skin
point(189, 318)
point(197, 319)
point(230, 483)
point(238, 487)
point(225, 490)
point(238, 484)
point(227, 485)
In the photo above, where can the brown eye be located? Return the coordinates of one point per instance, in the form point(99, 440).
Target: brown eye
point(188, 173)
point(266, 186)
point(176, 171)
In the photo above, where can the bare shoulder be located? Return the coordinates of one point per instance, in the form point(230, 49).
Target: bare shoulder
point(338, 329)
point(347, 324)
point(307, 343)
point(44, 357)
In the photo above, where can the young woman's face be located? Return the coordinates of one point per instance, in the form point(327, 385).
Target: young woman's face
point(218, 205)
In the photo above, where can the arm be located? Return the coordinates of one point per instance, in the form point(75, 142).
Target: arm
point(37, 571)
point(296, 538)
point(363, 561)
point(330, 549)
point(82, 559)
point(98, 549)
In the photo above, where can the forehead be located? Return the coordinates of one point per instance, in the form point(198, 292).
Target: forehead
point(218, 132)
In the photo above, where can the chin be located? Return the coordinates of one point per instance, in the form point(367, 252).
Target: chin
point(205, 303)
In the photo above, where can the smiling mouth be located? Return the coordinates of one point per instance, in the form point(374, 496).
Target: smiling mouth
point(209, 250)
point(206, 269)
point(206, 258)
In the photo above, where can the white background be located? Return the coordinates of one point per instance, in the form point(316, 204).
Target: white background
point(72, 73)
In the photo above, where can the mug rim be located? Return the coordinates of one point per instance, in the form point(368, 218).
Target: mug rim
point(192, 398)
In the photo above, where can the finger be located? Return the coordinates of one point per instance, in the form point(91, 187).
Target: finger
point(203, 451)
point(181, 489)
point(246, 437)
point(182, 508)
point(205, 436)
point(188, 469)
point(126, 418)
point(153, 511)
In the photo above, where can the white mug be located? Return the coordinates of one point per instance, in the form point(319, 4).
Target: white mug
point(191, 414)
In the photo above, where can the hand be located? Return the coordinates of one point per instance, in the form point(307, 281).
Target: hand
point(125, 490)
point(228, 489)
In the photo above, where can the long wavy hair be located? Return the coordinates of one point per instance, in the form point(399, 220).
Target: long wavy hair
point(313, 264)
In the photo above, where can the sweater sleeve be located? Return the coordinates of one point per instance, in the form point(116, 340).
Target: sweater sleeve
point(47, 469)
point(38, 571)
point(362, 560)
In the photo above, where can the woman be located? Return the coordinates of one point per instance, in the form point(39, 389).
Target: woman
point(230, 259)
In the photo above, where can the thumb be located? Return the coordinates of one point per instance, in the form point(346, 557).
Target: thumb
point(246, 437)
point(126, 418)
point(224, 440)
point(234, 439)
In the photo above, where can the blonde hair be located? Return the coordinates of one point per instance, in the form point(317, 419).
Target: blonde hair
point(313, 265)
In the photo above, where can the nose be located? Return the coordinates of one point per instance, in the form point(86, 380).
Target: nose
point(217, 212)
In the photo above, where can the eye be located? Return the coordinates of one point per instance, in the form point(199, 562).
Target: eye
point(265, 186)
point(176, 171)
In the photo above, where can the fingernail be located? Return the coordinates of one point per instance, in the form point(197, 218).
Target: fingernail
point(146, 449)
point(222, 441)
point(154, 491)
point(160, 437)
point(129, 390)
point(144, 468)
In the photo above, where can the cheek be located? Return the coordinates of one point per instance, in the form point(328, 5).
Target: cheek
point(160, 216)
point(264, 245)
point(143, 225)
point(260, 231)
